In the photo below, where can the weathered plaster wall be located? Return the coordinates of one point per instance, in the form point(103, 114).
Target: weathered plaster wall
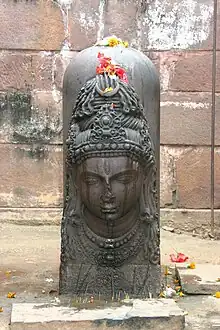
point(37, 40)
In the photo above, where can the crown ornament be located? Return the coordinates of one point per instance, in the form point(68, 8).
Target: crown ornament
point(108, 120)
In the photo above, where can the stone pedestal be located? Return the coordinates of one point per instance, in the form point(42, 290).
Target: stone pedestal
point(136, 314)
point(128, 279)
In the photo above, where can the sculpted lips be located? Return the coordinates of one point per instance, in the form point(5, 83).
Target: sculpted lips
point(108, 208)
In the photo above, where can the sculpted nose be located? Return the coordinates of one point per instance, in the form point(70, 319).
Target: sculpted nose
point(107, 196)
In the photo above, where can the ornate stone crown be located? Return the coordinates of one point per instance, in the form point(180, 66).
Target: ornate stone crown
point(107, 121)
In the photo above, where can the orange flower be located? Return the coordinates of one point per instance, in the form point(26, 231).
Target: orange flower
point(113, 41)
point(99, 70)
point(104, 61)
point(1, 309)
point(217, 294)
point(110, 69)
point(11, 295)
point(192, 265)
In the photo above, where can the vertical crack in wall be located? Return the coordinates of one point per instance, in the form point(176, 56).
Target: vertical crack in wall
point(167, 178)
point(169, 184)
point(101, 23)
point(141, 10)
point(57, 96)
point(65, 53)
point(64, 6)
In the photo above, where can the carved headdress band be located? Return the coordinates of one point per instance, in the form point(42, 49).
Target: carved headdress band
point(107, 121)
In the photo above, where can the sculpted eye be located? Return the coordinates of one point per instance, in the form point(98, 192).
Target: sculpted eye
point(90, 180)
point(126, 178)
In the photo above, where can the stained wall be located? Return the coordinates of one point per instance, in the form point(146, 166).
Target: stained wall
point(37, 40)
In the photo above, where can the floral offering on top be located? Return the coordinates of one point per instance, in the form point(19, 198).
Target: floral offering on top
point(106, 65)
point(112, 41)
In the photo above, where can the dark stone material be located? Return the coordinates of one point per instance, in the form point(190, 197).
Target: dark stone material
point(110, 226)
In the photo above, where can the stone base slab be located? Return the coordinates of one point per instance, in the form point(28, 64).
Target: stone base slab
point(136, 314)
point(201, 280)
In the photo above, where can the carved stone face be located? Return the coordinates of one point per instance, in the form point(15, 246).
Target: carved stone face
point(110, 187)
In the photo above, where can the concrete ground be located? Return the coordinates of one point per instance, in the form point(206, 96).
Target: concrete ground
point(29, 266)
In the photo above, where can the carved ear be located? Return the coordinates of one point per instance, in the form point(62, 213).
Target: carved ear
point(146, 193)
point(74, 191)
point(143, 200)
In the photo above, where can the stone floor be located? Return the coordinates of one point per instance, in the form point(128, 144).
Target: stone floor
point(29, 266)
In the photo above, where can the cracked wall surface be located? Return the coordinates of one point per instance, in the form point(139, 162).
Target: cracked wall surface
point(38, 38)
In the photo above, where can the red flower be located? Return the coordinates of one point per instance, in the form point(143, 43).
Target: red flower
point(104, 61)
point(105, 65)
point(180, 257)
point(120, 72)
point(99, 70)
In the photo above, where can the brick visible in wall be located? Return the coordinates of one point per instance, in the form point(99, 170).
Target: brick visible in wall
point(36, 25)
point(121, 19)
point(188, 71)
point(193, 173)
point(41, 71)
point(61, 62)
point(25, 71)
point(186, 118)
point(30, 117)
point(30, 176)
point(84, 22)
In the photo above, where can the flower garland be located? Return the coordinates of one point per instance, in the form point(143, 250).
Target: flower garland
point(106, 65)
point(112, 41)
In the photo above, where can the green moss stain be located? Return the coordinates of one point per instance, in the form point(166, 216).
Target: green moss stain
point(36, 152)
point(3, 108)
point(20, 107)
point(19, 191)
point(30, 125)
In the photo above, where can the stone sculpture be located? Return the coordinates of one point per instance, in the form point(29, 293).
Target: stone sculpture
point(110, 226)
